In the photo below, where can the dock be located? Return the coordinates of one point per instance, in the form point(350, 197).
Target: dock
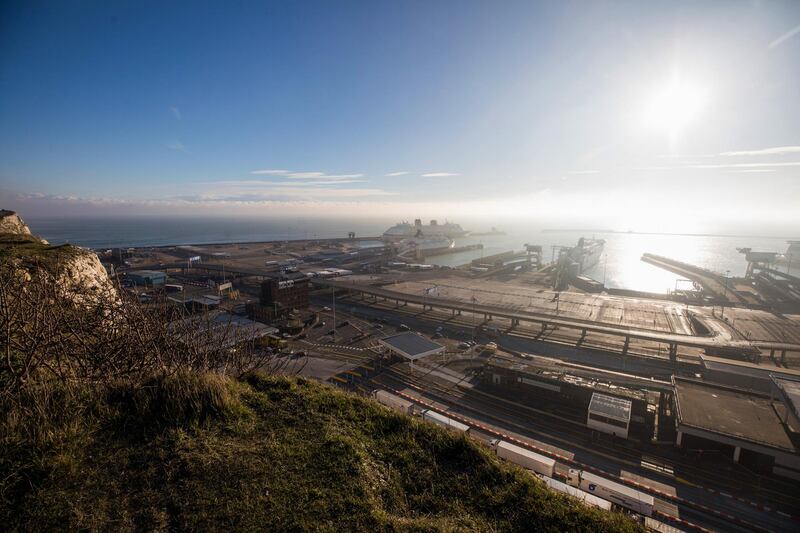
point(719, 287)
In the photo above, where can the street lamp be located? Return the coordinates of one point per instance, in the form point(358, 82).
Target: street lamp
point(725, 298)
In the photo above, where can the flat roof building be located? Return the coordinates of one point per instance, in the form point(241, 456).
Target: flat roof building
point(788, 391)
point(743, 374)
point(285, 292)
point(609, 414)
point(411, 346)
point(738, 419)
point(146, 277)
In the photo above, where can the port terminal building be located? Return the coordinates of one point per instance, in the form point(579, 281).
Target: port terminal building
point(602, 406)
point(757, 429)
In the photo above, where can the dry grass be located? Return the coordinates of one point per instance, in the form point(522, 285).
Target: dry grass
point(201, 451)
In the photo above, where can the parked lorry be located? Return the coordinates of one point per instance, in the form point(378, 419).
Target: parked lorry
point(524, 458)
point(395, 402)
point(441, 420)
point(583, 496)
point(617, 493)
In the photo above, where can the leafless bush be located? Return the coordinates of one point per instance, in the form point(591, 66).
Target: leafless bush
point(69, 331)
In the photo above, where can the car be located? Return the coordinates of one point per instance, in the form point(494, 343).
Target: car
point(326, 309)
point(439, 329)
point(463, 346)
point(331, 332)
point(403, 327)
point(436, 335)
point(377, 326)
point(345, 323)
point(301, 336)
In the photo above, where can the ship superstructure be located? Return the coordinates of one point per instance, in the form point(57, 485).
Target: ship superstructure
point(587, 253)
point(405, 230)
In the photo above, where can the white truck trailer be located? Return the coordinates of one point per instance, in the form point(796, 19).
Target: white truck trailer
point(449, 423)
point(395, 402)
point(616, 493)
point(583, 496)
point(524, 458)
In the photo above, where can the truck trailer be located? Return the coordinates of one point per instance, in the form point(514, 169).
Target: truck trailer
point(524, 458)
point(617, 493)
point(583, 496)
point(449, 423)
point(394, 402)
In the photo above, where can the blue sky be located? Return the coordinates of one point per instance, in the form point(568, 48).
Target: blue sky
point(609, 113)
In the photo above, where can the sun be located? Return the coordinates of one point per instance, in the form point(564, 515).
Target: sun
point(674, 106)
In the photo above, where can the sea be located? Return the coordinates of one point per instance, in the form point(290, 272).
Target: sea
point(620, 266)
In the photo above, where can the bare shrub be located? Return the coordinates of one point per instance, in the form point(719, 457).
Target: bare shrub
point(69, 331)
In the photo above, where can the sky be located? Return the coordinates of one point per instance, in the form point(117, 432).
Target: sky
point(650, 116)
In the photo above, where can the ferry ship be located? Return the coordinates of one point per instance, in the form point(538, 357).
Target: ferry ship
point(587, 253)
point(404, 230)
point(425, 244)
point(791, 257)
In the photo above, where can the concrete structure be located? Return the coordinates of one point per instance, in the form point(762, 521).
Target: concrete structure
point(286, 291)
point(609, 414)
point(743, 374)
point(541, 386)
point(206, 302)
point(744, 423)
point(626, 333)
point(146, 278)
point(223, 330)
point(788, 391)
point(411, 346)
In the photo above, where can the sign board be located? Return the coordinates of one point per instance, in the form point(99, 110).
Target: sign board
point(225, 286)
point(194, 258)
point(286, 284)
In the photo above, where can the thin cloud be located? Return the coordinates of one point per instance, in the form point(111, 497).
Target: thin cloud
point(585, 172)
point(732, 165)
point(785, 37)
point(265, 183)
point(177, 146)
point(321, 175)
point(752, 170)
point(176, 112)
point(270, 172)
point(750, 165)
point(778, 150)
point(394, 174)
point(289, 174)
point(439, 174)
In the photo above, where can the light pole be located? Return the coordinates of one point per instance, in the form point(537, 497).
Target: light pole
point(333, 296)
point(473, 315)
point(725, 298)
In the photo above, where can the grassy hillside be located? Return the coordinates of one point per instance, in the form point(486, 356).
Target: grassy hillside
point(29, 248)
point(200, 452)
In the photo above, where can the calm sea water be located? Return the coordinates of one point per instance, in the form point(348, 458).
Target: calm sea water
point(620, 265)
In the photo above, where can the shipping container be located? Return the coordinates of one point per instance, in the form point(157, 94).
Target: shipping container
point(524, 458)
point(621, 495)
point(394, 402)
point(449, 423)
